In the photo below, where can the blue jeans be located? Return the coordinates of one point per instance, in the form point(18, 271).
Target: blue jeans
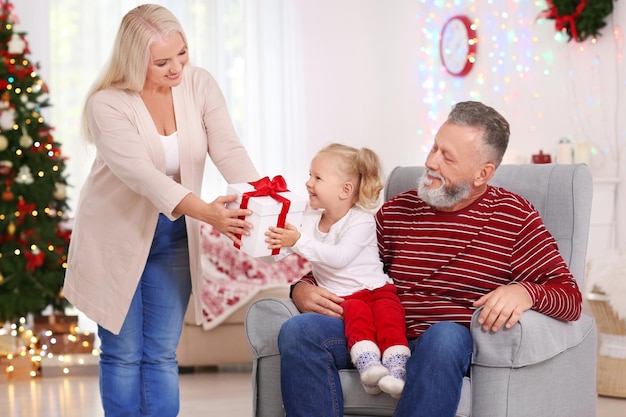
point(313, 348)
point(138, 367)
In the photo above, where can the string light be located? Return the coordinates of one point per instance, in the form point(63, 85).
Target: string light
point(519, 56)
point(51, 353)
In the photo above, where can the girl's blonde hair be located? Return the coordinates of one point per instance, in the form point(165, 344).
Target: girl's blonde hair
point(361, 166)
point(128, 65)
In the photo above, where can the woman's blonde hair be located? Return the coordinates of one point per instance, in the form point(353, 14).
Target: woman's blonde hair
point(128, 65)
point(361, 166)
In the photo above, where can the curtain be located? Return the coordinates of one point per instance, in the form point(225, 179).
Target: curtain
point(249, 46)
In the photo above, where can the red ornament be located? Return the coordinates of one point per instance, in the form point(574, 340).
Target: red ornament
point(7, 195)
point(6, 167)
point(65, 235)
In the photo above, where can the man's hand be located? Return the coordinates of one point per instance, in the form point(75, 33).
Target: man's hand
point(313, 299)
point(503, 307)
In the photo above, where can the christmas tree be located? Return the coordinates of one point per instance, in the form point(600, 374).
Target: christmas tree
point(33, 239)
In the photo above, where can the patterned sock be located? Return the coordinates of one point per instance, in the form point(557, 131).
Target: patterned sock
point(365, 356)
point(394, 359)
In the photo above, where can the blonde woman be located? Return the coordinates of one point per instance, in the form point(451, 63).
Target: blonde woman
point(134, 254)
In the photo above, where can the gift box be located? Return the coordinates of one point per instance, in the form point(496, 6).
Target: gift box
point(19, 366)
point(272, 205)
point(74, 364)
point(57, 323)
point(63, 343)
point(9, 344)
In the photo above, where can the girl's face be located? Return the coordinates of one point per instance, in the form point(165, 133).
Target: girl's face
point(168, 57)
point(325, 184)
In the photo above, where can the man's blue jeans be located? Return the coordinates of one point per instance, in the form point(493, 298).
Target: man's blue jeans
point(138, 367)
point(313, 348)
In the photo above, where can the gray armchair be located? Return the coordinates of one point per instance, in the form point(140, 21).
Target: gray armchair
point(541, 367)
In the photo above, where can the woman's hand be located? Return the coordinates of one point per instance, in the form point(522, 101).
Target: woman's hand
point(225, 220)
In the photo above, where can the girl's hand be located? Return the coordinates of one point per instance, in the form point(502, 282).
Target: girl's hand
point(278, 237)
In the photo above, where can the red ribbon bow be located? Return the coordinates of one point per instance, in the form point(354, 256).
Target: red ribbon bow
point(23, 208)
point(34, 259)
point(562, 21)
point(266, 187)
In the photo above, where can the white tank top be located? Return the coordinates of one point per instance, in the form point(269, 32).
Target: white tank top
point(172, 161)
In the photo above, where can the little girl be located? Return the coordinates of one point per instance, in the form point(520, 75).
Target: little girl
point(339, 240)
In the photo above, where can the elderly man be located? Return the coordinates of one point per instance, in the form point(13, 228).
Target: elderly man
point(451, 246)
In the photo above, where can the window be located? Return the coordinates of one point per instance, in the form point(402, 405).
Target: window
point(249, 46)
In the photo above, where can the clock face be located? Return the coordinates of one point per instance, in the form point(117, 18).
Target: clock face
point(457, 45)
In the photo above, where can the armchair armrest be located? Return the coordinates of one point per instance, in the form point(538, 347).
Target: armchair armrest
point(534, 339)
point(263, 322)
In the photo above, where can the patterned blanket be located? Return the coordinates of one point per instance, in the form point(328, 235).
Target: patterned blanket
point(232, 278)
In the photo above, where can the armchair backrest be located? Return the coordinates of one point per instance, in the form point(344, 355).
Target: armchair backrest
point(561, 193)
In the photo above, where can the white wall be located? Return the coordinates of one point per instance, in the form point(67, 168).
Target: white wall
point(373, 78)
point(360, 58)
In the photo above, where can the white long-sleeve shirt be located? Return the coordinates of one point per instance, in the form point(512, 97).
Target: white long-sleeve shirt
point(346, 259)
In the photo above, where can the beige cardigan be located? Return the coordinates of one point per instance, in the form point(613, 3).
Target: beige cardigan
point(127, 189)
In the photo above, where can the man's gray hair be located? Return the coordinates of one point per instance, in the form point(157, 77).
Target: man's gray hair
point(494, 126)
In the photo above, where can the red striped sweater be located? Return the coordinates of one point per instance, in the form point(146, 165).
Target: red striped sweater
point(442, 262)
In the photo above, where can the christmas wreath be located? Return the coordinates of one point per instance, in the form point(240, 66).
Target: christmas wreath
point(580, 19)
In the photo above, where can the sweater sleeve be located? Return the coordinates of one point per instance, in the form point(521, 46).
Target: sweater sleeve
point(338, 254)
point(380, 237)
point(538, 266)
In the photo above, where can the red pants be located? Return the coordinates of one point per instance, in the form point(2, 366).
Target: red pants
point(375, 315)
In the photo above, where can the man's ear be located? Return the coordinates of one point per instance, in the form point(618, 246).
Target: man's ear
point(347, 190)
point(484, 173)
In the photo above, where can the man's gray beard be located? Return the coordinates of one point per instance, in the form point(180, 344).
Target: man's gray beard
point(446, 195)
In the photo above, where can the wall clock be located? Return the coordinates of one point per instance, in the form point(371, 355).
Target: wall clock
point(457, 45)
